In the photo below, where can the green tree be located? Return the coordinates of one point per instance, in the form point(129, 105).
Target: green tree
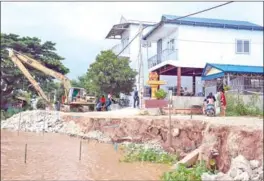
point(79, 82)
point(53, 88)
point(110, 74)
point(12, 78)
point(84, 82)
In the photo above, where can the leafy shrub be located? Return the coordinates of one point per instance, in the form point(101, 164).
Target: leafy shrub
point(41, 104)
point(227, 88)
point(134, 154)
point(237, 107)
point(183, 173)
point(160, 94)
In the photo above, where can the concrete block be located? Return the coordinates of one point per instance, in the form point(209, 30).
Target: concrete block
point(189, 159)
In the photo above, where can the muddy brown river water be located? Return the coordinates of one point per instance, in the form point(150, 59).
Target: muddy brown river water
point(56, 157)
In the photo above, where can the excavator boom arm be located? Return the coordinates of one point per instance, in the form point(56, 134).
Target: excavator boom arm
point(29, 77)
point(37, 65)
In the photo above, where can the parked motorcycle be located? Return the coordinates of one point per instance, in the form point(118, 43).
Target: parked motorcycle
point(210, 110)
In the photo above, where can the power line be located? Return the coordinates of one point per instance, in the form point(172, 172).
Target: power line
point(208, 9)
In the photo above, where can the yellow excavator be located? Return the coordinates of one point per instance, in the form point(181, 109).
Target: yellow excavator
point(74, 98)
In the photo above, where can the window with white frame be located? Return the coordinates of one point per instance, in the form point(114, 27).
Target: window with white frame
point(125, 41)
point(170, 45)
point(242, 46)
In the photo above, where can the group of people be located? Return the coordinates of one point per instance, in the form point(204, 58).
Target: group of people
point(104, 104)
point(209, 102)
point(185, 92)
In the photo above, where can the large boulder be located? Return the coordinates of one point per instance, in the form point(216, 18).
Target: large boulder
point(241, 170)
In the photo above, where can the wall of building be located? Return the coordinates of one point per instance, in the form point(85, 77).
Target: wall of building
point(165, 40)
point(134, 48)
point(186, 102)
point(125, 40)
point(199, 45)
point(172, 80)
point(194, 46)
point(133, 52)
point(247, 99)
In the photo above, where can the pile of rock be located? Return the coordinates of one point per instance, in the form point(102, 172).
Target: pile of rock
point(48, 121)
point(71, 128)
point(35, 121)
point(241, 170)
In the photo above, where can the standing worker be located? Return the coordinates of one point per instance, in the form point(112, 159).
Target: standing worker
point(223, 101)
point(57, 106)
point(136, 98)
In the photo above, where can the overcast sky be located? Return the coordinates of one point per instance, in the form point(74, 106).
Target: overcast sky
point(79, 28)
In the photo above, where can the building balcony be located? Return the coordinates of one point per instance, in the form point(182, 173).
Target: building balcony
point(165, 55)
point(119, 47)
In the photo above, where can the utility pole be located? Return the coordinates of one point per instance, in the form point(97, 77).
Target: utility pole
point(140, 68)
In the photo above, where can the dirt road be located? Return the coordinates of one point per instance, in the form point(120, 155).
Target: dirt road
point(256, 122)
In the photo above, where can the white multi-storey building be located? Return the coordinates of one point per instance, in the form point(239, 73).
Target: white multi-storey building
point(126, 31)
point(184, 46)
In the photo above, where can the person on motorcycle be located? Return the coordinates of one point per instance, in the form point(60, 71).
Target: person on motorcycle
point(210, 99)
point(101, 104)
point(210, 103)
point(98, 105)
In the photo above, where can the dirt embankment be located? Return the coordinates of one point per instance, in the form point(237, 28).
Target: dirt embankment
point(229, 140)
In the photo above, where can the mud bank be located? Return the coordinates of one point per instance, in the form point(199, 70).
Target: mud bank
point(187, 134)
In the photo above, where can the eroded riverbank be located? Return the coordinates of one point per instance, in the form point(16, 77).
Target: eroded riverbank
point(229, 137)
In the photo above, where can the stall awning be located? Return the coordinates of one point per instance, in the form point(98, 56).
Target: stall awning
point(213, 71)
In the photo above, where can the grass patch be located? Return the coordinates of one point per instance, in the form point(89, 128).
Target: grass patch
point(182, 173)
point(237, 107)
point(134, 153)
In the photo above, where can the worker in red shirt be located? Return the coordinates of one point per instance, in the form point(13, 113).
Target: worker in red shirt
point(102, 100)
point(223, 102)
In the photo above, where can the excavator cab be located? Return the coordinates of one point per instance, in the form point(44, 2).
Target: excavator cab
point(76, 94)
point(79, 95)
point(78, 99)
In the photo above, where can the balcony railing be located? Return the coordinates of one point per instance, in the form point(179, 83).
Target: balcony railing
point(119, 47)
point(167, 54)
